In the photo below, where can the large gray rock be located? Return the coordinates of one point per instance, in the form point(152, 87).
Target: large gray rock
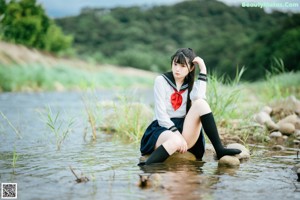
point(287, 128)
point(289, 119)
point(262, 117)
point(244, 155)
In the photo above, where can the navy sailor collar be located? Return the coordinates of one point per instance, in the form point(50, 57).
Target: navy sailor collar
point(170, 79)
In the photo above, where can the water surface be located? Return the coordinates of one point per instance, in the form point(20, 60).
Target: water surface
point(42, 172)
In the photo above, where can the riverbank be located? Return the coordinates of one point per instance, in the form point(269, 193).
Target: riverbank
point(234, 103)
point(27, 70)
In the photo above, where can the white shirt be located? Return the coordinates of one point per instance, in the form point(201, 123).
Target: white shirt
point(162, 100)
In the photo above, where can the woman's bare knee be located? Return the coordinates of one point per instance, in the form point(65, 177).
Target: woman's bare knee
point(172, 143)
point(202, 106)
point(163, 137)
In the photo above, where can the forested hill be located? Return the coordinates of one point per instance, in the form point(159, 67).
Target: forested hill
point(225, 37)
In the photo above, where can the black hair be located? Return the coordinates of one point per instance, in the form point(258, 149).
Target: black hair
point(186, 56)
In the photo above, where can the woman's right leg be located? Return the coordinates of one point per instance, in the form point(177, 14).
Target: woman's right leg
point(167, 144)
point(170, 141)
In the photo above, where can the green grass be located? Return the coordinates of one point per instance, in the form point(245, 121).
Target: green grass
point(42, 78)
point(223, 95)
point(277, 87)
point(17, 132)
point(127, 118)
point(15, 158)
point(58, 126)
point(94, 113)
point(234, 102)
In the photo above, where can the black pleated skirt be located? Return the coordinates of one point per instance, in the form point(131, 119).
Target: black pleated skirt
point(154, 130)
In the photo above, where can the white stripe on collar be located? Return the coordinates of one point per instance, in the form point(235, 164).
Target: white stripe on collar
point(173, 85)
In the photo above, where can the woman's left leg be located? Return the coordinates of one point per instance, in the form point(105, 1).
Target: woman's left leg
point(192, 123)
point(200, 114)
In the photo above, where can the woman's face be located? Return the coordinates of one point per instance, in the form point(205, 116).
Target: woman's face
point(180, 71)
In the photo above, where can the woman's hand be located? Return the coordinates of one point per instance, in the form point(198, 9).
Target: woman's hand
point(183, 147)
point(200, 62)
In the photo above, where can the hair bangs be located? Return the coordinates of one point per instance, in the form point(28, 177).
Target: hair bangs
point(180, 59)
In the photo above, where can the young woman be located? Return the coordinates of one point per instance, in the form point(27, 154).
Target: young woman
point(180, 113)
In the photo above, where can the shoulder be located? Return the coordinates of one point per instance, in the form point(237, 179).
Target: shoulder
point(159, 79)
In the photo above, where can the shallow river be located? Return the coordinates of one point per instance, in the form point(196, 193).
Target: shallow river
point(42, 172)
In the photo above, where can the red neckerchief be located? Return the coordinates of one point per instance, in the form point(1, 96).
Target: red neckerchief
point(176, 99)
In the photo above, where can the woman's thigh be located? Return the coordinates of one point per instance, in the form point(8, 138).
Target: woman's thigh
point(191, 128)
point(192, 123)
point(163, 137)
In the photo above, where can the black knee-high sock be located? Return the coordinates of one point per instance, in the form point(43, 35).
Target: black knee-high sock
point(210, 128)
point(157, 156)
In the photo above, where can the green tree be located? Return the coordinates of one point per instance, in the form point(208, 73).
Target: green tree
point(25, 22)
point(225, 36)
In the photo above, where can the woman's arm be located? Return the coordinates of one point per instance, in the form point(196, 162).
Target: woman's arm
point(160, 108)
point(200, 62)
point(199, 89)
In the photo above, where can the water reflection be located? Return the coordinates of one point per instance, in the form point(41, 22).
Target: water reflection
point(182, 179)
point(221, 170)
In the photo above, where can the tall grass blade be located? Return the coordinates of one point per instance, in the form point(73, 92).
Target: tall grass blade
point(11, 125)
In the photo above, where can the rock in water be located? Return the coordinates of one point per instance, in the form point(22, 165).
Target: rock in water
point(177, 157)
point(230, 161)
point(245, 154)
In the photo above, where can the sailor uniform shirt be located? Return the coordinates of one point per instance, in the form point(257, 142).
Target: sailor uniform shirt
point(171, 103)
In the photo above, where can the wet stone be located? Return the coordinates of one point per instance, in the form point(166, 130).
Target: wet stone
point(296, 142)
point(275, 134)
point(177, 157)
point(278, 148)
point(287, 128)
point(244, 155)
point(229, 161)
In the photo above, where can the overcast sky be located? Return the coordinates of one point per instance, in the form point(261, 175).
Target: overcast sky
point(62, 8)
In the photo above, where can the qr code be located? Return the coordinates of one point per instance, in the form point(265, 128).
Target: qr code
point(9, 190)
